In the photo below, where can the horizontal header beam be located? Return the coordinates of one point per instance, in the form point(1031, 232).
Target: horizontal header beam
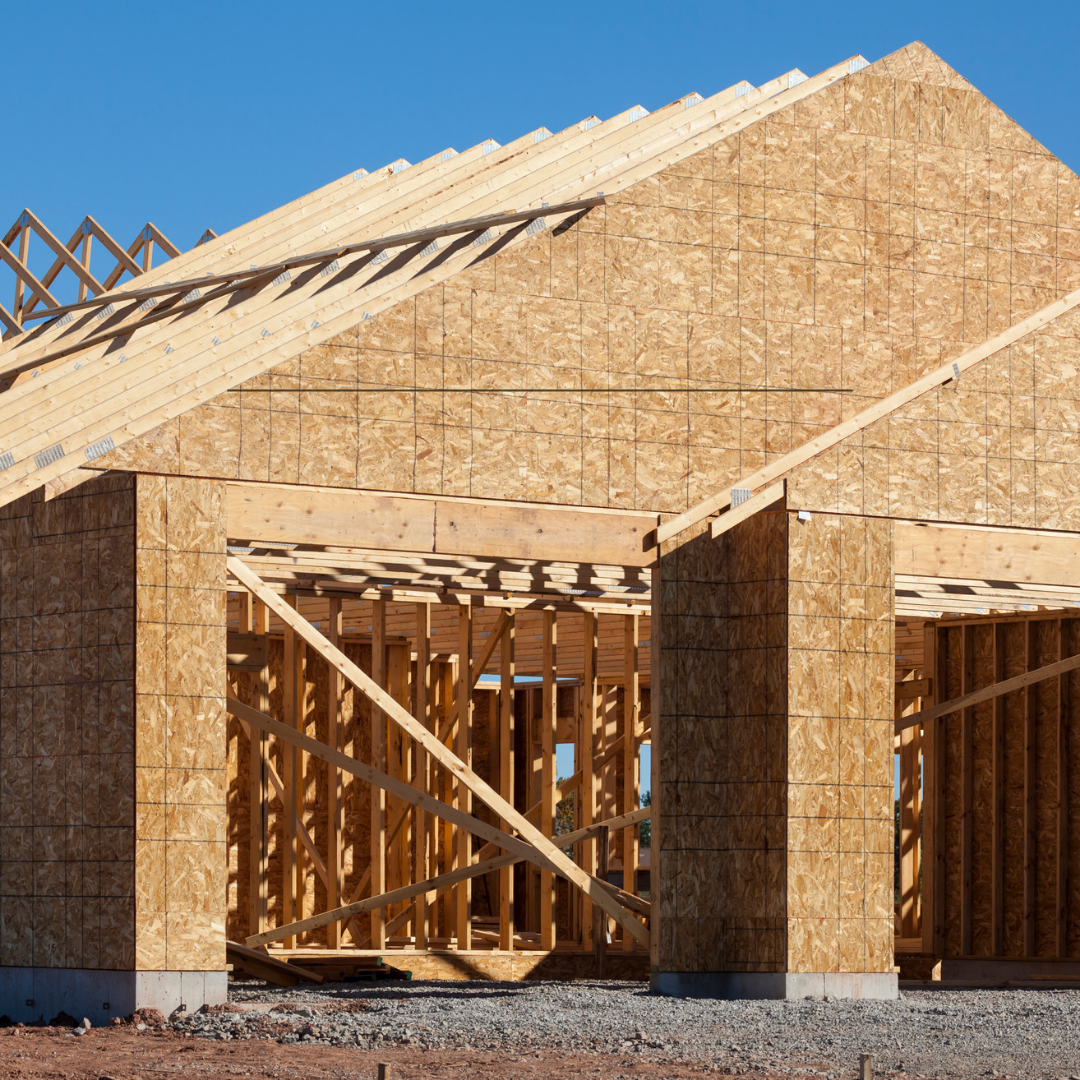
point(339, 517)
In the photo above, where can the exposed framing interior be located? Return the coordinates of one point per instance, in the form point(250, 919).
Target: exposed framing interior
point(502, 660)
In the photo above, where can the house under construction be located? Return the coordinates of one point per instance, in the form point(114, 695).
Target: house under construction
point(743, 429)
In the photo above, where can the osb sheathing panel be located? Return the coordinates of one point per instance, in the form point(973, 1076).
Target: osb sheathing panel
point(724, 752)
point(67, 785)
point(180, 724)
point(776, 763)
point(854, 241)
point(1050, 637)
point(840, 752)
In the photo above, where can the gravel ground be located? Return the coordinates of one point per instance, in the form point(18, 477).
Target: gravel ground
point(930, 1033)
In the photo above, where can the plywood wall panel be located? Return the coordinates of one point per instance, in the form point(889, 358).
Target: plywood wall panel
point(67, 816)
point(859, 239)
point(179, 724)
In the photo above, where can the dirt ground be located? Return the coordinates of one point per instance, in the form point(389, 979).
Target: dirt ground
point(122, 1053)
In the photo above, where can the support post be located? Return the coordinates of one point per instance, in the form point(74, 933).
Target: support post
point(1063, 794)
point(463, 748)
point(600, 922)
point(507, 666)
point(967, 767)
point(997, 840)
point(587, 792)
point(425, 706)
point(548, 723)
point(378, 761)
point(1031, 712)
point(289, 766)
point(631, 763)
point(657, 732)
point(335, 810)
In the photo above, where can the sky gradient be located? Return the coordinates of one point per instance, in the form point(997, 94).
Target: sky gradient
point(205, 115)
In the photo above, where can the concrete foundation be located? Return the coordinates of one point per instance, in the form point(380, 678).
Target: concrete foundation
point(31, 994)
point(775, 985)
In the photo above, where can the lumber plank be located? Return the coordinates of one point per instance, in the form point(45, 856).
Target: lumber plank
point(431, 887)
point(425, 714)
point(630, 761)
point(507, 697)
point(1017, 682)
point(264, 966)
point(786, 463)
point(549, 722)
point(463, 743)
point(1030, 809)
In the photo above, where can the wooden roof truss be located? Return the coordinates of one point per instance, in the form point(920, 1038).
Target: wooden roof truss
point(85, 399)
point(34, 298)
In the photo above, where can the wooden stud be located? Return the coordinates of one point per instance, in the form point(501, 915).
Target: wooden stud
point(967, 769)
point(600, 923)
point(1031, 704)
point(463, 798)
point(544, 851)
point(1027, 680)
point(378, 761)
point(1062, 868)
point(507, 695)
point(631, 762)
point(909, 830)
point(449, 794)
point(587, 791)
point(548, 728)
point(425, 713)
point(289, 764)
point(997, 841)
point(335, 809)
point(657, 729)
point(933, 854)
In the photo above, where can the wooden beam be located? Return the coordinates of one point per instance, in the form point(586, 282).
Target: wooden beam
point(1030, 810)
point(335, 517)
point(268, 968)
point(630, 762)
point(335, 807)
point(291, 737)
point(462, 794)
point(377, 820)
point(1063, 799)
point(431, 888)
point(931, 832)
point(549, 721)
point(967, 786)
point(747, 509)
point(289, 766)
point(787, 463)
point(984, 553)
point(547, 854)
point(24, 275)
point(587, 796)
point(425, 714)
point(657, 751)
point(63, 255)
point(475, 669)
point(1017, 682)
point(997, 838)
point(507, 698)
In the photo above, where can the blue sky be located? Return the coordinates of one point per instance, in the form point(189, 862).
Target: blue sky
point(207, 114)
